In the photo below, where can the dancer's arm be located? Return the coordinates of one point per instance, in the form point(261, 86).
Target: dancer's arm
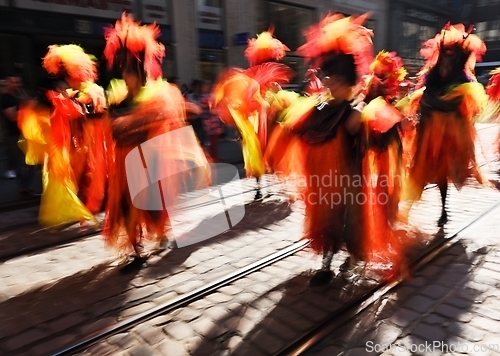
point(353, 122)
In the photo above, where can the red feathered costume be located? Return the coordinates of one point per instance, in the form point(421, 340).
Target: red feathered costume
point(143, 109)
point(315, 140)
point(448, 101)
point(73, 139)
point(382, 159)
point(241, 97)
point(492, 112)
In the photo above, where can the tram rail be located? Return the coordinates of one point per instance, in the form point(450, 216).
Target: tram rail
point(333, 322)
point(41, 246)
point(337, 320)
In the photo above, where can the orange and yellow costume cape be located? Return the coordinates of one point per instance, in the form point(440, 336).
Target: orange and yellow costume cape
point(445, 150)
point(71, 149)
point(312, 143)
point(241, 97)
point(158, 109)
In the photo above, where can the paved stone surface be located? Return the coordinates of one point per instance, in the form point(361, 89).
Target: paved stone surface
point(56, 297)
point(270, 313)
point(82, 279)
point(462, 317)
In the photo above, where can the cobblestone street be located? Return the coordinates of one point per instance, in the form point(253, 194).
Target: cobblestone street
point(451, 307)
point(56, 297)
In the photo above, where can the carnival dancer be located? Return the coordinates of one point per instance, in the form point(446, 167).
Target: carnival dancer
point(143, 108)
point(316, 139)
point(491, 114)
point(381, 87)
point(448, 100)
point(241, 96)
point(381, 153)
point(66, 140)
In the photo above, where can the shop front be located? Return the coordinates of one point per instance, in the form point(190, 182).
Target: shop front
point(27, 31)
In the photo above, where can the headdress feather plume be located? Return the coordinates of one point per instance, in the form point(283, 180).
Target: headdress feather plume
point(453, 35)
point(137, 41)
point(493, 86)
point(70, 60)
point(339, 34)
point(265, 48)
point(388, 69)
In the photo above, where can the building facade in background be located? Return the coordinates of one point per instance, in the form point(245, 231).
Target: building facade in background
point(289, 19)
point(204, 36)
point(413, 22)
point(484, 16)
point(27, 27)
point(201, 36)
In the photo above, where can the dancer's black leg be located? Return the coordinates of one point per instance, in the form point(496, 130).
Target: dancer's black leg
point(443, 190)
point(325, 274)
point(258, 194)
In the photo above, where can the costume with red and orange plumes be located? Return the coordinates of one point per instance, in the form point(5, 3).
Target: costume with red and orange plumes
point(448, 100)
point(241, 97)
point(381, 151)
point(491, 113)
point(141, 111)
point(316, 139)
point(70, 140)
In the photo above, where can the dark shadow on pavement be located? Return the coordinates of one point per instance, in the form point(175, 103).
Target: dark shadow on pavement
point(427, 310)
point(298, 308)
point(495, 183)
point(32, 237)
point(257, 215)
point(55, 316)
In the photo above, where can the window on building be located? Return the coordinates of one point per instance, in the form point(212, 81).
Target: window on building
point(289, 22)
point(413, 36)
point(168, 64)
point(211, 38)
point(212, 3)
point(466, 10)
point(492, 32)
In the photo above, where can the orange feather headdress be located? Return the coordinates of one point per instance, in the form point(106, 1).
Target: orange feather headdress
point(387, 68)
point(70, 61)
point(128, 43)
point(453, 37)
point(388, 65)
point(265, 48)
point(342, 35)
